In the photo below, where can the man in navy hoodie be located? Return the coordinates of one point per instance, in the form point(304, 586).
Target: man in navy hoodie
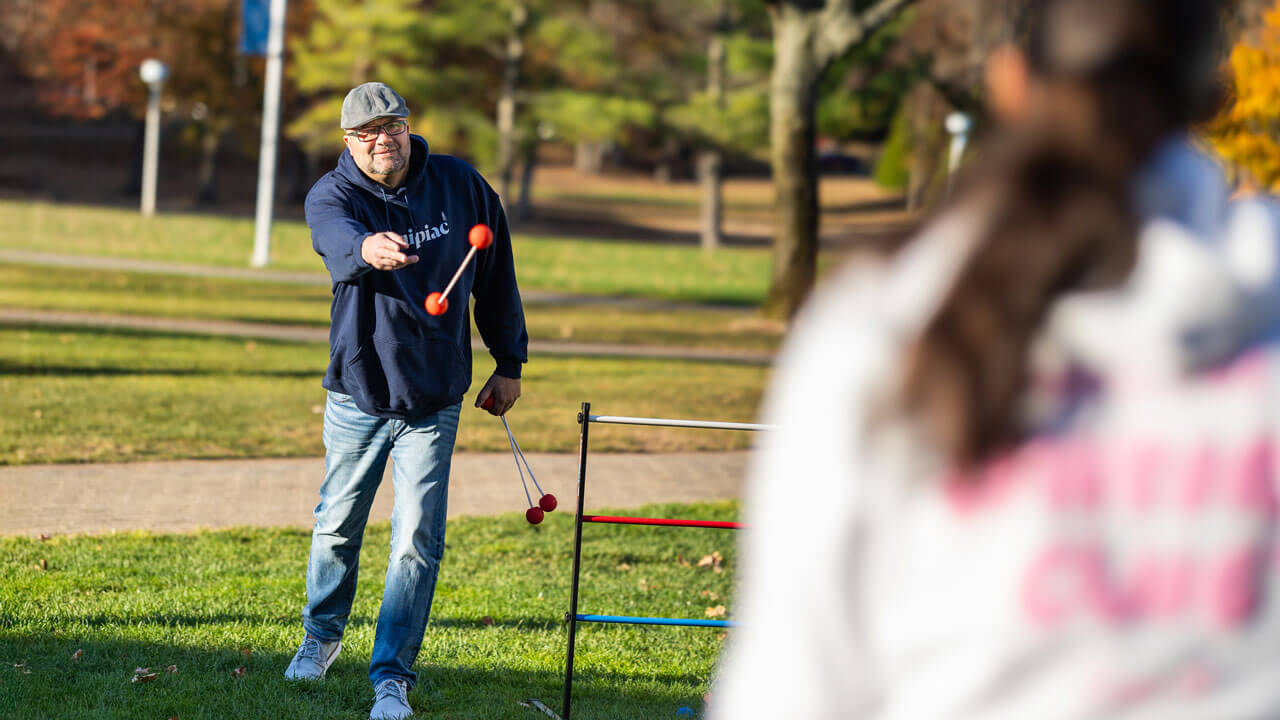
point(391, 223)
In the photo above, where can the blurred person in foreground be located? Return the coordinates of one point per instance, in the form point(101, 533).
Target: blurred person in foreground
point(1026, 468)
point(391, 223)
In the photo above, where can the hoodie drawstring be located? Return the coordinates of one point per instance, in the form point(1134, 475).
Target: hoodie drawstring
point(408, 205)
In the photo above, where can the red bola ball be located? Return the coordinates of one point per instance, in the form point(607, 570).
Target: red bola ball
point(533, 515)
point(436, 304)
point(480, 236)
point(547, 502)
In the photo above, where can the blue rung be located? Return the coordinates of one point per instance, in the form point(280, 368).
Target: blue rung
point(629, 620)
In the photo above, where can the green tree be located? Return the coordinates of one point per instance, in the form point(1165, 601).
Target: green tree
point(349, 43)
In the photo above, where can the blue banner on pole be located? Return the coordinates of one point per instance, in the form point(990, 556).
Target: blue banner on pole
point(255, 19)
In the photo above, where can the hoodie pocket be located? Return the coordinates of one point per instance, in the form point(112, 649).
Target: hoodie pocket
point(407, 376)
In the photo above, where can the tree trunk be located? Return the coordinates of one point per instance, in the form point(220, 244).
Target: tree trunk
point(511, 62)
point(210, 139)
point(524, 208)
point(711, 160)
point(792, 131)
point(588, 157)
point(711, 175)
point(807, 37)
point(669, 152)
point(926, 111)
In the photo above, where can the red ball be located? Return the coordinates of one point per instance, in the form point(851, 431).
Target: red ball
point(437, 304)
point(488, 403)
point(533, 515)
point(480, 236)
point(547, 502)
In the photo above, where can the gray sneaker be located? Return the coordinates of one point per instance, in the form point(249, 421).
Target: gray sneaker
point(390, 701)
point(312, 659)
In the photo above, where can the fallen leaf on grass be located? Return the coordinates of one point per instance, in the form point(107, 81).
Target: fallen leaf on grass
point(143, 675)
point(42, 537)
point(715, 612)
point(624, 567)
point(239, 672)
point(247, 652)
point(22, 668)
point(713, 561)
point(682, 562)
point(710, 595)
point(77, 654)
point(486, 620)
point(172, 669)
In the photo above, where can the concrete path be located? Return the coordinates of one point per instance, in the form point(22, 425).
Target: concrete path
point(192, 494)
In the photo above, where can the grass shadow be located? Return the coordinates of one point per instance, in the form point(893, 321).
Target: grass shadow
point(78, 678)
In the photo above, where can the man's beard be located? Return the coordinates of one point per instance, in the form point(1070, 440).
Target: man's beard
point(385, 164)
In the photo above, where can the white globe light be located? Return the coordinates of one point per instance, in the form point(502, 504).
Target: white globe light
point(958, 123)
point(153, 71)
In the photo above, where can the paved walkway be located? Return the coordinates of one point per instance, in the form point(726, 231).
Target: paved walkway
point(192, 494)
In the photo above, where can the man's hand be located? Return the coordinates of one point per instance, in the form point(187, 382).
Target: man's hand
point(386, 251)
point(503, 390)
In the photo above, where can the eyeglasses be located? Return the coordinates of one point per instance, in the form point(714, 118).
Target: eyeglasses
point(365, 134)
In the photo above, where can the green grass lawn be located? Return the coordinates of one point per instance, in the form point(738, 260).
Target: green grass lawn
point(730, 275)
point(79, 614)
point(174, 296)
point(84, 394)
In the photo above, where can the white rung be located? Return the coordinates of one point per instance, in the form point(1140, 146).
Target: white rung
point(666, 422)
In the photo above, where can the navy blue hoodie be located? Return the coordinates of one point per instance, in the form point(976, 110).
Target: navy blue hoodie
point(385, 351)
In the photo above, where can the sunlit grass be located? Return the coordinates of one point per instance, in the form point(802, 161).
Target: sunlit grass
point(82, 394)
point(730, 275)
point(207, 298)
point(78, 616)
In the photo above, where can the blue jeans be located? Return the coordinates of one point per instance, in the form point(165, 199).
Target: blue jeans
point(357, 446)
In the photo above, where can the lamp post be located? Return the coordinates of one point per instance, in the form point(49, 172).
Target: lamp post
point(153, 73)
point(270, 136)
point(958, 124)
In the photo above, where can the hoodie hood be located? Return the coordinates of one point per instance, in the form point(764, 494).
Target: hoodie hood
point(419, 157)
point(1206, 285)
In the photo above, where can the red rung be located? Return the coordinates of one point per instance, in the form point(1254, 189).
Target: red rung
point(615, 520)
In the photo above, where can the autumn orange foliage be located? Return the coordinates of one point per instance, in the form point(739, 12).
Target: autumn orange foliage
point(1247, 133)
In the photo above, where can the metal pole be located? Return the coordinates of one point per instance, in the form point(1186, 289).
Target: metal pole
point(958, 124)
point(270, 135)
point(584, 419)
point(151, 150)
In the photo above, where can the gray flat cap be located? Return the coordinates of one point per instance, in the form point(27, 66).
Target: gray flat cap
point(370, 101)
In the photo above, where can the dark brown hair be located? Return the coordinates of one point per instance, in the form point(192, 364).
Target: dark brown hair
point(1116, 77)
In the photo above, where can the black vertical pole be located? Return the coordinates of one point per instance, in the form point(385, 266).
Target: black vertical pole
point(584, 419)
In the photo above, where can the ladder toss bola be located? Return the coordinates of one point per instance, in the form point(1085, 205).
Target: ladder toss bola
point(546, 501)
point(480, 237)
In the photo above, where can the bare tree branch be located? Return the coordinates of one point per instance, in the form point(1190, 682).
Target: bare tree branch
point(840, 26)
